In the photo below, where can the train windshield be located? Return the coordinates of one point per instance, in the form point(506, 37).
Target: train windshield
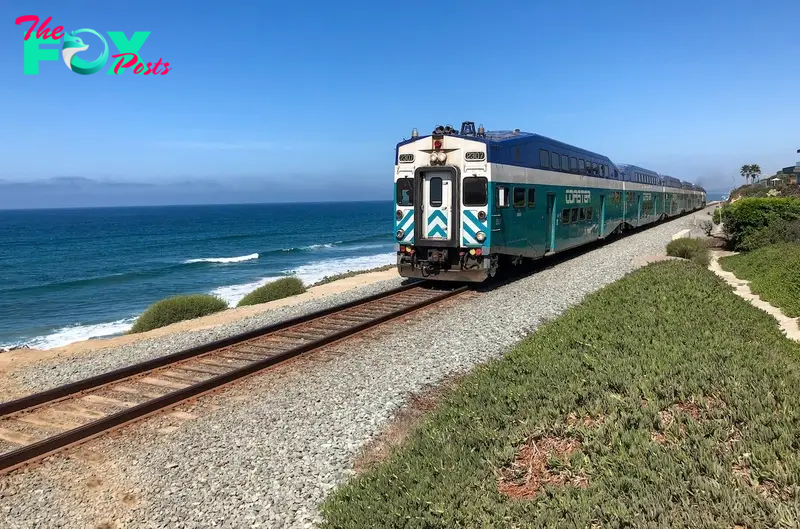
point(475, 191)
point(405, 192)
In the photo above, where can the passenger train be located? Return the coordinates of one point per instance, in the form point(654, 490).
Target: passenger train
point(470, 201)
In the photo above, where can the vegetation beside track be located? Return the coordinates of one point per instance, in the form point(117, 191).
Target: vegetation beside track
point(175, 309)
point(351, 273)
point(695, 249)
point(751, 223)
point(282, 288)
point(662, 400)
point(773, 272)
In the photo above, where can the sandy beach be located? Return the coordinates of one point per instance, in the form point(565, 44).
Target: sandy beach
point(13, 360)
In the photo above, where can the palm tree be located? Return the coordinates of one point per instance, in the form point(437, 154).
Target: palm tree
point(755, 171)
point(745, 172)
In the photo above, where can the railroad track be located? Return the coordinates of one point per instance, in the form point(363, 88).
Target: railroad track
point(42, 424)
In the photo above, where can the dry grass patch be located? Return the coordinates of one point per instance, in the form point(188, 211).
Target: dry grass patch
point(540, 463)
point(690, 408)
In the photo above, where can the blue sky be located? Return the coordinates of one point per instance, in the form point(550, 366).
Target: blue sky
point(291, 99)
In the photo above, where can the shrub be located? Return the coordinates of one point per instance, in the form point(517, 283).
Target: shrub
point(746, 217)
point(282, 288)
point(351, 273)
point(694, 249)
point(175, 309)
point(777, 232)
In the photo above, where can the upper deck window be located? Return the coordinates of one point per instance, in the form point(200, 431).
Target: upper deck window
point(544, 158)
point(564, 162)
point(581, 165)
point(405, 191)
point(573, 164)
point(476, 192)
point(435, 191)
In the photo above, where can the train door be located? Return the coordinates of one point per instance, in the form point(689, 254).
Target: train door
point(638, 209)
point(602, 215)
point(437, 207)
point(550, 234)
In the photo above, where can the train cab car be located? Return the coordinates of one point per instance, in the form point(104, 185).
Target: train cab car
point(442, 205)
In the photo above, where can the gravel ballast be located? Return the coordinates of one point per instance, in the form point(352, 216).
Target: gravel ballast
point(265, 452)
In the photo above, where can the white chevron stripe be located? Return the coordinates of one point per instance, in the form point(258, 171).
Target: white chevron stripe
point(472, 225)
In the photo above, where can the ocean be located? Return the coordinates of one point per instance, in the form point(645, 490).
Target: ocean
point(73, 274)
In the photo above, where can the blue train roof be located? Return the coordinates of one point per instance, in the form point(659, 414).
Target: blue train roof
point(630, 167)
point(498, 142)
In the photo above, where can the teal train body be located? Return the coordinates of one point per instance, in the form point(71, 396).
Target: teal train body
point(468, 202)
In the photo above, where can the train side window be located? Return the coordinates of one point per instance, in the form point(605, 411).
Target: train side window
point(519, 197)
point(405, 191)
point(582, 214)
point(605, 170)
point(574, 215)
point(564, 162)
point(565, 216)
point(501, 197)
point(596, 168)
point(435, 191)
point(531, 197)
point(589, 213)
point(555, 160)
point(573, 164)
point(581, 165)
point(616, 174)
point(476, 191)
point(544, 158)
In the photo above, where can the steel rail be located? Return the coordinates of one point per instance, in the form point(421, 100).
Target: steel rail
point(66, 390)
point(35, 451)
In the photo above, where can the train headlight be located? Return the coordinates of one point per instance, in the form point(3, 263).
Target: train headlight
point(399, 234)
point(481, 215)
point(442, 157)
point(398, 215)
point(434, 158)
point(480, 236)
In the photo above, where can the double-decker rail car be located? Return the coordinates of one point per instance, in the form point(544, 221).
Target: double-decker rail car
point(469, 201)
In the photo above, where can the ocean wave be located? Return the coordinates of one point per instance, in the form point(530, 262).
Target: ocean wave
point(311, 247)
point(76, 333)
point(223, 259)
point(309, 273)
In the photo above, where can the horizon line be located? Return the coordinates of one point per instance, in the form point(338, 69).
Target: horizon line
point(50, 208)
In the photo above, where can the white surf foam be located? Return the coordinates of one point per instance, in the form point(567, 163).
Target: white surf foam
point(223, 259)
point(309, 273)
point(311, 247)
point(77, 333)
point(313, 272)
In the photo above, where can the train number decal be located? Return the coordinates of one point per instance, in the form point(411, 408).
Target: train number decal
point(647, 197)
point(578, 196)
